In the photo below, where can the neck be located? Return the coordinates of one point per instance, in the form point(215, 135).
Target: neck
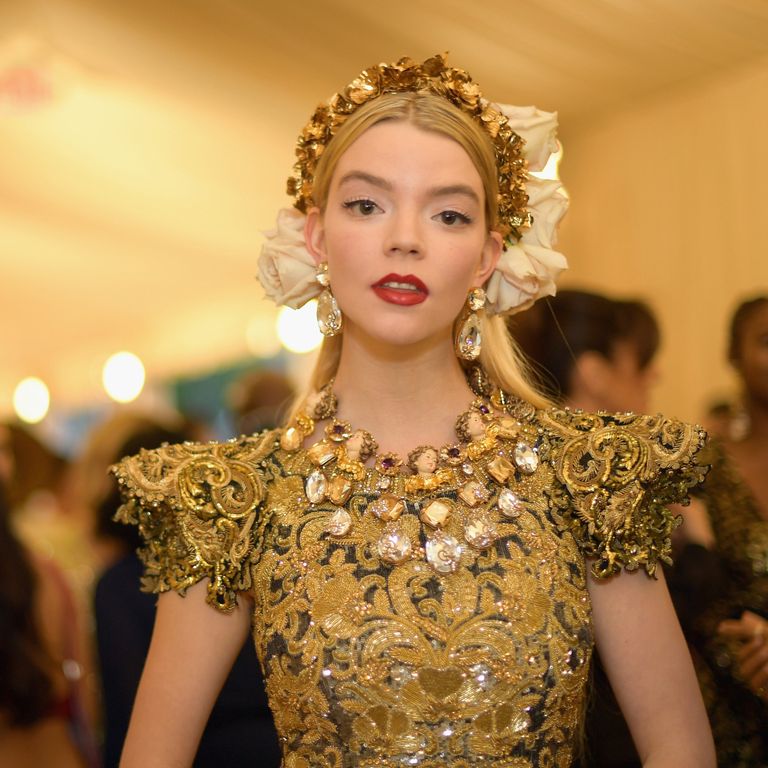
point(405, 396)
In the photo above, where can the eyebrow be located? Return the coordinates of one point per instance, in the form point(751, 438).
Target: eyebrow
point(377, 181)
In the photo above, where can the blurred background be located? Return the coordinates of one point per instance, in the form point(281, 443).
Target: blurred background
point(144, 146)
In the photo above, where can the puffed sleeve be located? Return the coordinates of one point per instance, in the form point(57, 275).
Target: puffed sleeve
point(620, 473)
point(199, 508)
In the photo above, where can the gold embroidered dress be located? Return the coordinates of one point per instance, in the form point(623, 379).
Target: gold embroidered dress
point(370, 662)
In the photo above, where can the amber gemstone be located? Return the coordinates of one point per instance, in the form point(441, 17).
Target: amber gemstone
point(339, 523)
point(473, 493)
point(387, 507)
point(316, 487)
point(339, 490)
point(500, 469)
point(508, 427)
point(394, 546)
point(436, 513)
point(321, 453)
point(291, 439)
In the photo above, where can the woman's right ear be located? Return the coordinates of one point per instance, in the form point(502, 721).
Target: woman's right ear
point(314, 235)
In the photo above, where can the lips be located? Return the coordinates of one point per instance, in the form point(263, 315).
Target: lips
point(404, 290)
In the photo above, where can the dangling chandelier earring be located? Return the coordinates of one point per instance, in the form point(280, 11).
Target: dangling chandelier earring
point(469, 339)
point(329, 318)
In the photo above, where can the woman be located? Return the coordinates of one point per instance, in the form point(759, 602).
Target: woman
point(38, 706)
point(417, 618)
point(728, 630)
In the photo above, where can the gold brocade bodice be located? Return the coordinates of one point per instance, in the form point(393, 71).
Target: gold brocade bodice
point(371, 663)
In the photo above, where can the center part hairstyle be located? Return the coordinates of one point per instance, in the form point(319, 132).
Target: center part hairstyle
point(502, 143)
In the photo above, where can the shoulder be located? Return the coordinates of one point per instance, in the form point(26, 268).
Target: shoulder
point(621, 472)
point(198, 507)
point(184, 473)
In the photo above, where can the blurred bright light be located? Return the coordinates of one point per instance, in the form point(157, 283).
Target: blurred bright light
point(31, 400)
point(261, 336)
point(123, 377)
point(297, 328)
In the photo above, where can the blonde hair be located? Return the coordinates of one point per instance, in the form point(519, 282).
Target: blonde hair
point(500, 358)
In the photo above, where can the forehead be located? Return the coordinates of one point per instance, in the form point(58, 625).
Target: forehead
point(756, 321)
point(393, 147)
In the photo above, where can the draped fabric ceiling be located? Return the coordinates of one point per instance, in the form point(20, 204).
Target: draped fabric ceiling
point(145, 144)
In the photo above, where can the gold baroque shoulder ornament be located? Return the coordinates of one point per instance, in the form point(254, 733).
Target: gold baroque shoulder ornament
point(198, 509)
point(622, 472)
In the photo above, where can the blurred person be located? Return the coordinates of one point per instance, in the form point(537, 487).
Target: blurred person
point(728, 585)
point(590, 351)
point(595, 353)
point(240, 730)
point(260, 400)
point(41, 714)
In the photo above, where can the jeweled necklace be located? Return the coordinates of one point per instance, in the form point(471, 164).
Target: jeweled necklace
point(465, 481)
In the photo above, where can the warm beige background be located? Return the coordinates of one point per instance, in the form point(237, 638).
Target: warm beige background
point(670, 202)
point(135, 179)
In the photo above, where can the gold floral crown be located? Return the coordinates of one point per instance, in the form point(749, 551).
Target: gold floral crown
point(433, 76)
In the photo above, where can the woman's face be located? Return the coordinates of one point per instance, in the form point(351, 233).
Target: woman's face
point(404, 234)
point(752, 360)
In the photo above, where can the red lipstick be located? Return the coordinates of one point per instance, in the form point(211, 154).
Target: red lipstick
point(404, 290)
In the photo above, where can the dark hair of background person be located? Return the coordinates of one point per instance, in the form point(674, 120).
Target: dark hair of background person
point(147, 436)
point(260, 400)
point(556, 331)
point(738, 320)
point(36, 466)
point(26, 690)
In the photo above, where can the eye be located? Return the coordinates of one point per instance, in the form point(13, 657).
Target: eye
point(363, 206)
point(453, 218)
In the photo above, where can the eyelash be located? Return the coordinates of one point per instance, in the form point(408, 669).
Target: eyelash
point(461, 218)
point(458, 217)
point(350, 205)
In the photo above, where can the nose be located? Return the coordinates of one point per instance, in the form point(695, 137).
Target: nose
point(405, 236)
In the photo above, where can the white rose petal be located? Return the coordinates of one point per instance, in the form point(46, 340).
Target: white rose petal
point(286, 269)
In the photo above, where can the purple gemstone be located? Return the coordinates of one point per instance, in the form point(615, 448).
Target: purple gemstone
point(484, 409)
point(338, 429)
point(388, 462)
point(454, 452)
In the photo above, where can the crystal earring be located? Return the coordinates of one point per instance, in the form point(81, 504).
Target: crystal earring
point(329, 318)
point(469, 339)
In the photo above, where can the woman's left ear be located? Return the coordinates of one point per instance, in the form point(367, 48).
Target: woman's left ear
point(314, 235)
point(489, 257)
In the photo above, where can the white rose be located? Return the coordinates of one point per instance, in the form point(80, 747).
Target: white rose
point(286, 270)
point(547, 204)
point(537, 128)
point(524, 273)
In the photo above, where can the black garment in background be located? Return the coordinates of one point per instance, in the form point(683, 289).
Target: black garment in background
point(696, 580)
point(240, 732)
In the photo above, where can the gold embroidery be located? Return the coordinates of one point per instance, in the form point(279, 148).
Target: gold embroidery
point(372, 663)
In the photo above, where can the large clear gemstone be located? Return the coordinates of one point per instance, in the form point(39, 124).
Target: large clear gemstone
point(339, 523)
point(470, 339)
point(436, 513)
point(394, 545)
point(315, 487)
point(443, 552)
point(328, 314)
point(526, 458)
point(509, 503)
point(480, 531)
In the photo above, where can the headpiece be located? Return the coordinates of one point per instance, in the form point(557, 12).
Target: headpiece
point(529, 209)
